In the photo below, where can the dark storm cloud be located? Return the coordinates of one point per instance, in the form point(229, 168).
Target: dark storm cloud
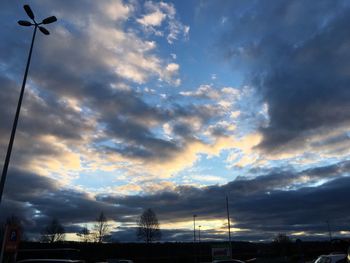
point(133, 127)
point(265, 205)
point(7, 109)
point(41, 115)
point(183, 129)
point(128, 234)
point(297, 55)
point(37, 199)
point(262, 206)
point(21, 188)
point(307, 209)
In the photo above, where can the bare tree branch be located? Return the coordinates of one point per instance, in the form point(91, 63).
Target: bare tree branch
point(148, 227)
point(54, 232)
point(101, 228)
point(85, 234)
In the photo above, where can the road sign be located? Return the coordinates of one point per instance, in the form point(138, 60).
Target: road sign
point(13, 237)
point(220, 252)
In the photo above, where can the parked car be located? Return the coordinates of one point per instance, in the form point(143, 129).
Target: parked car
point(49, 261)
point(116, 261)
point(56, 253)
point(120, 261)
point(228, 261)
point(331, 258)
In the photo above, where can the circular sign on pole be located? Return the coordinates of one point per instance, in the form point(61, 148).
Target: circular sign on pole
point(13, 237)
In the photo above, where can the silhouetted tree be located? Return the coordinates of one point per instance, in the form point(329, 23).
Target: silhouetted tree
point(282, 244)
point(148, 227)
point(53, 232)
point(101, 228)
point(281, 238)
point(84, 234)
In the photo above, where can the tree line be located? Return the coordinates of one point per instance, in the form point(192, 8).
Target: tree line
point(148, 229)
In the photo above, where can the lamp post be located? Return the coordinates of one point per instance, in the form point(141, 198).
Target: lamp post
point(194, 239)
point(42, 29)
point(200, 245)
point(228, 226)
point(194, 228)
point(329, 230)
point(199, 234)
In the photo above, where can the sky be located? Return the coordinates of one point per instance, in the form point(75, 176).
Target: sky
point(174, 105)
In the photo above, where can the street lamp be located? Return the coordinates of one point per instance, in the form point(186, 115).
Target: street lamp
point(200, 245)
point(228, 226)
point(43, 30)
point(194, 228)
point(194, 239)
point(199, 234)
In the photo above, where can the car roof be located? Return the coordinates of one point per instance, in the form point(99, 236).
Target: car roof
point(336, 255)
point(228, 261)
point(49, 260)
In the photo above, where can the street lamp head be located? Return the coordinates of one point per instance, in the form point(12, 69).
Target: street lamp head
point(49, 20)
point(44, 30)
point(24, 23)
point(29, 11)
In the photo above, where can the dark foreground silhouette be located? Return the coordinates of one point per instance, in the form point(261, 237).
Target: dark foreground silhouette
point(179, 252)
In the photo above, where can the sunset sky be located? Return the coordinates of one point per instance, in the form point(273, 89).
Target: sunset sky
point(172, 106)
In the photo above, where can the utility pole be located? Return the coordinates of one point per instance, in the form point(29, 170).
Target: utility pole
point(200, 245)
point(194, 228)
point(329, 231)
point(228, 226)
point(199, 234)
point(194, 239)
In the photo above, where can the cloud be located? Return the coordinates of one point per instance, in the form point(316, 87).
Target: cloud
point(85, 111)
point(116, 10)
point(81, 103)
point(38, 199)
point(288, 200)
point(39, 146)
point(171, 74)
point(296, 57)
point(172, 67)
point(154, 19)
point(159, 13)
point(258, 200)
point(204, 91)
point(98, 118)
point(176, 30)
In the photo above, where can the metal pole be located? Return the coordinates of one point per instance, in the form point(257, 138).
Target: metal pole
point(194, 238)
point(2, 253)
point(14, 126)
point(200, 245)
point(329, 231)
point(199, 234)
point(194, 228)
point(228, 225)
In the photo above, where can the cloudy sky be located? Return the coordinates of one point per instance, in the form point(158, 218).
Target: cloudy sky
point(172, 106)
